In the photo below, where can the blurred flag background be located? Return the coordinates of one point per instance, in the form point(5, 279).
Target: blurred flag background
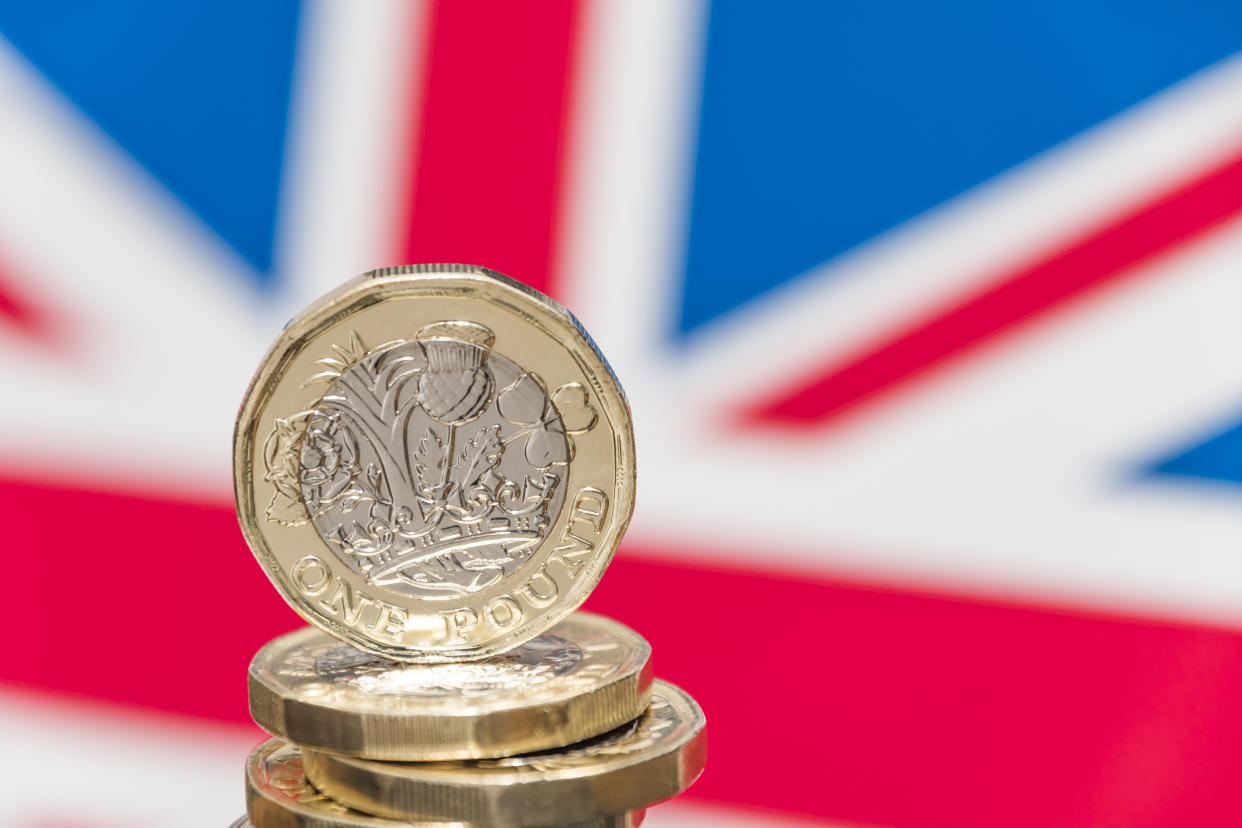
point(930, 317)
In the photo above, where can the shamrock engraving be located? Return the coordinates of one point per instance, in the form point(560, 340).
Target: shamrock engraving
point(574, 404)
point(525, 403)
point(548, 422)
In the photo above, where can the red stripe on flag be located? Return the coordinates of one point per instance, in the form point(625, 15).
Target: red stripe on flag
point(19, 313)
point(1098, 258)
point(488, 161)
point(824, 697)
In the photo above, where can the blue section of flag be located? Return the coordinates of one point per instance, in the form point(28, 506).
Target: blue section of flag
point(824, 124)
point(1218, 458)
point(198, 92)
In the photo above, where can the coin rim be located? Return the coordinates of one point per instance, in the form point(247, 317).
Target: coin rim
point(382, 284)
point(400, 731)
point(415, 791)
point(265, 809)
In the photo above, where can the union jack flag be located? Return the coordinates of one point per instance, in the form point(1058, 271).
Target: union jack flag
point(929, 317)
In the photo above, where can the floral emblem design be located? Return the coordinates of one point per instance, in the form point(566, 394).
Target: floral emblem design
point(434, 466)
point(329, 459)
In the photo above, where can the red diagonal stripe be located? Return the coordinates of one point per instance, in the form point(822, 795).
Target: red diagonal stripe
point(487, 162)
point(19, 313)
point(830, 698)
point(1100, 257)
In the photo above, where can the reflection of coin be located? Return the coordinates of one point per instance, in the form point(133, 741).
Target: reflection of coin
point(648, 760)
point(434, 463)
point(586, 675)
point(278, 796)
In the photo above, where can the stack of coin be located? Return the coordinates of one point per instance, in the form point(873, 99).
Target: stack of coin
point(434, 466)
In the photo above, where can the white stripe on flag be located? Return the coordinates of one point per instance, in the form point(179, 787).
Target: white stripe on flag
point(89, 765)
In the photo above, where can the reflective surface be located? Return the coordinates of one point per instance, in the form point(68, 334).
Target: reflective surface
point(586, 675)
point(279, 796)
point(650, 759)
point(434, 463)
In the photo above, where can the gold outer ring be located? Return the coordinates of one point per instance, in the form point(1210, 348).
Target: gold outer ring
point(330, 590)
point(649, 760)
point(584, 676)
point(278, 796)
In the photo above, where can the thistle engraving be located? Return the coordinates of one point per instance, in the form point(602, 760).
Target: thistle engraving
point(432, 466)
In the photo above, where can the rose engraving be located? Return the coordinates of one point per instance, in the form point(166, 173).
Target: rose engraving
point(329, 460)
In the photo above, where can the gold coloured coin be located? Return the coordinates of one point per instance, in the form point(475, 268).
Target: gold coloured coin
point(650, 759)
point(584, 676)
point(434, 463)
point(278, 796)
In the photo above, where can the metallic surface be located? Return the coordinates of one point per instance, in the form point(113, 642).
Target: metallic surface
point(434, 463)
point(648, 760)
point(584, 676)
point(278, 796)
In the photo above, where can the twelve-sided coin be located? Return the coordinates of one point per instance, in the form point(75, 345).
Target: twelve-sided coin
point(434, 463)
